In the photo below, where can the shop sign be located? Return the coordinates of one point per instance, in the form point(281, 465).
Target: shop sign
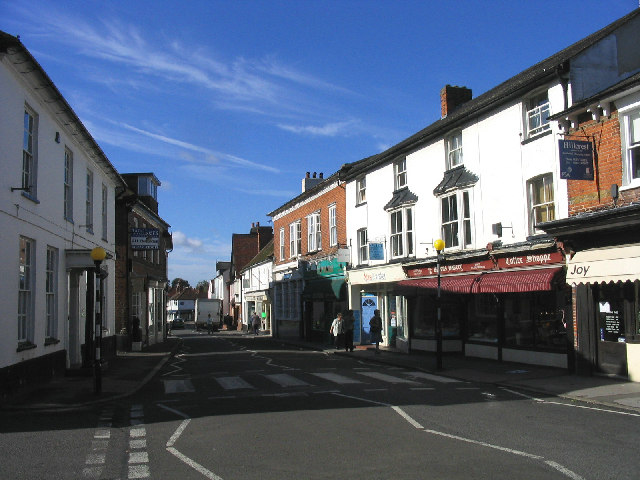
point(576, 160)
point(330, 267)
point(450, 269)
point(144, 238)
point(530, 260)
point(376, 251)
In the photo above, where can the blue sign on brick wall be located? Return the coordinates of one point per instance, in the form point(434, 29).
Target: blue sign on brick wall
point(576, 160)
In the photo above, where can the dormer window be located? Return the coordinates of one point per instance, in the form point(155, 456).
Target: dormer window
point(400, 173)
point(454, 150)
point(148, 187)
point(538, 111)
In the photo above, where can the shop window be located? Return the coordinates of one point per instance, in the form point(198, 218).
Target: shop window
point(533, 320)
point(423, 316)
point(483, 319)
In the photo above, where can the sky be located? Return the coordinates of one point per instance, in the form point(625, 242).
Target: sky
point(230, 103)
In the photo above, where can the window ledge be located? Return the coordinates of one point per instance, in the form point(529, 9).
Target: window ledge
point(536, 137)
point(28, 196)
point(360, 204)
point(51, 341)
point(22, 346)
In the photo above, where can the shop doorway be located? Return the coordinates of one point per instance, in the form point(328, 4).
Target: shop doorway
point(611, 346)
point(369, 303)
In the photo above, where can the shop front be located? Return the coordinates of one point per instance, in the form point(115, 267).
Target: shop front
point(606, 285)
point(511, 306)
point(373, 289)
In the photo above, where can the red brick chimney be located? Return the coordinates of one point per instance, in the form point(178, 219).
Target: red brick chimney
point(452, 97)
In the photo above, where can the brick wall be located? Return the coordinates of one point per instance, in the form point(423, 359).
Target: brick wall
point(594, 195)
point(335, 195)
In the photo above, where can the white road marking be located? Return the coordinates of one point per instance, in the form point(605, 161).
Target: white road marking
point(386, 378)
point(435, 378)
point(335, 378)
point(286, 380)
point(233, 383)
point(139, 471)
point(178, 432)
point(138, 457)
point(193, 464)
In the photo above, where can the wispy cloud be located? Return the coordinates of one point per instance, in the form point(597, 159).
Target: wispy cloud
point(328, 130)
point(182, 241)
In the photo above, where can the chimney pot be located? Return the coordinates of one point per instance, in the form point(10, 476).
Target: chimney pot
point(308, 175)
point(321, 174)
point(314, 174)
point(451, 97)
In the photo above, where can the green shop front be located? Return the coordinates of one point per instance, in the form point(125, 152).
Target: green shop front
point(323, 296)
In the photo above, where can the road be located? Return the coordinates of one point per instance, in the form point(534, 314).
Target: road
point(232, 406)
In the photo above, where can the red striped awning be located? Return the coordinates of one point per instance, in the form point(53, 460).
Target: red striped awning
point(453, 284)
point(532, 280)
point(517, 281)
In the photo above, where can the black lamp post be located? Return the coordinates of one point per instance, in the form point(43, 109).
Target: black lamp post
point(98, 254)
point(439, 246)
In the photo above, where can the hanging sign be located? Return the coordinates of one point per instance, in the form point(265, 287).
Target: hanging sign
point(376, 252)
point(576, 160)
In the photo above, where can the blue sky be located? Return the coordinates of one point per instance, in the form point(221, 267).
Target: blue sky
point(229, 103)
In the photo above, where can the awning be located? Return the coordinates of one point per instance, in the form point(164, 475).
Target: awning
point(604, 265)
point(453, 284)
point(325, 289)
point(531, 280)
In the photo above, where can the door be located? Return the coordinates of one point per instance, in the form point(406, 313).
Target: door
point(369, 303)
point(611, 346)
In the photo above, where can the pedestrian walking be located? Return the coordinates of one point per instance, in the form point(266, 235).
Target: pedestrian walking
point(337, 330)
point(375, 327)
point(209, 324)
point(256, 323)
point(348, 322)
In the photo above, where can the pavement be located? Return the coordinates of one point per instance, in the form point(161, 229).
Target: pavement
point(129, 371)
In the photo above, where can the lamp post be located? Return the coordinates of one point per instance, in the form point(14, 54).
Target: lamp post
point(98, 254)
point(439, 246)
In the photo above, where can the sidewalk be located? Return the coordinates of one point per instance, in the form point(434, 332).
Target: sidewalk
point(129, 371)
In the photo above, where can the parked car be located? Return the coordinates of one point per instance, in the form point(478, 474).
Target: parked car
point(177, 323)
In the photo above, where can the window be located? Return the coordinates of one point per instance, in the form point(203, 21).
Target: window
point(29, 151)
point(89, 203)
point(314, 235)
point(402, 233)
point(632, 147)
point(361, 190)
point(147, 187)
point(363, 246)
point(541, 205)
point(454, 150)
point(400, 173)
point(51, 293)
point(538, 115)
point(333, 226)
point(68, 184)
point(105, 195)
point(295, 239)
point(25, 290)
point(456, 220)
point(282, 243)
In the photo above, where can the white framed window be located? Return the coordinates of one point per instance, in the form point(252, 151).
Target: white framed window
point(401, 232)
point(68, 184)
point(456, 220)
point(541, 203)
point(631, 141)
point(105, 197)
point(282, 243)
point(400, 173)
point(136, 305)
point(361, 190)
point(89, 203)
point(295, 239)
point(537, 116)
point(454, 150)
point(314, 234)
point(51, 292)
point(25, 290)
point(363, 246)
point(30, 152)
point(333, 226)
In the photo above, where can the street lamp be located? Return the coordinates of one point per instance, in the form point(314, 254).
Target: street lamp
point(439, 246)
point(98, 254)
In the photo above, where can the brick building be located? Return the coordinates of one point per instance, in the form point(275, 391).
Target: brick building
point(601, 235)
point(142, 245)
point(310, 259)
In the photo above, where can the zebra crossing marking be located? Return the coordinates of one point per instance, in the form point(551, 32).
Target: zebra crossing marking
point(286, 380)
point(435, 378)
point(336, 378)
point(387, 378)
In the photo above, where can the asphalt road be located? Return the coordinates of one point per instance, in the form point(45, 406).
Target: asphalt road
point(244, 407)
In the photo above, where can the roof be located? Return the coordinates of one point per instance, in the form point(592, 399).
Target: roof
point(534, 76)
point(34, 74)
point(306, 194)
point(458, 177)
point(401, 197)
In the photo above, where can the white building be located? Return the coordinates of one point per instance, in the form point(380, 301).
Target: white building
point(481, 178)
point(57, 202)
point(256, 278)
